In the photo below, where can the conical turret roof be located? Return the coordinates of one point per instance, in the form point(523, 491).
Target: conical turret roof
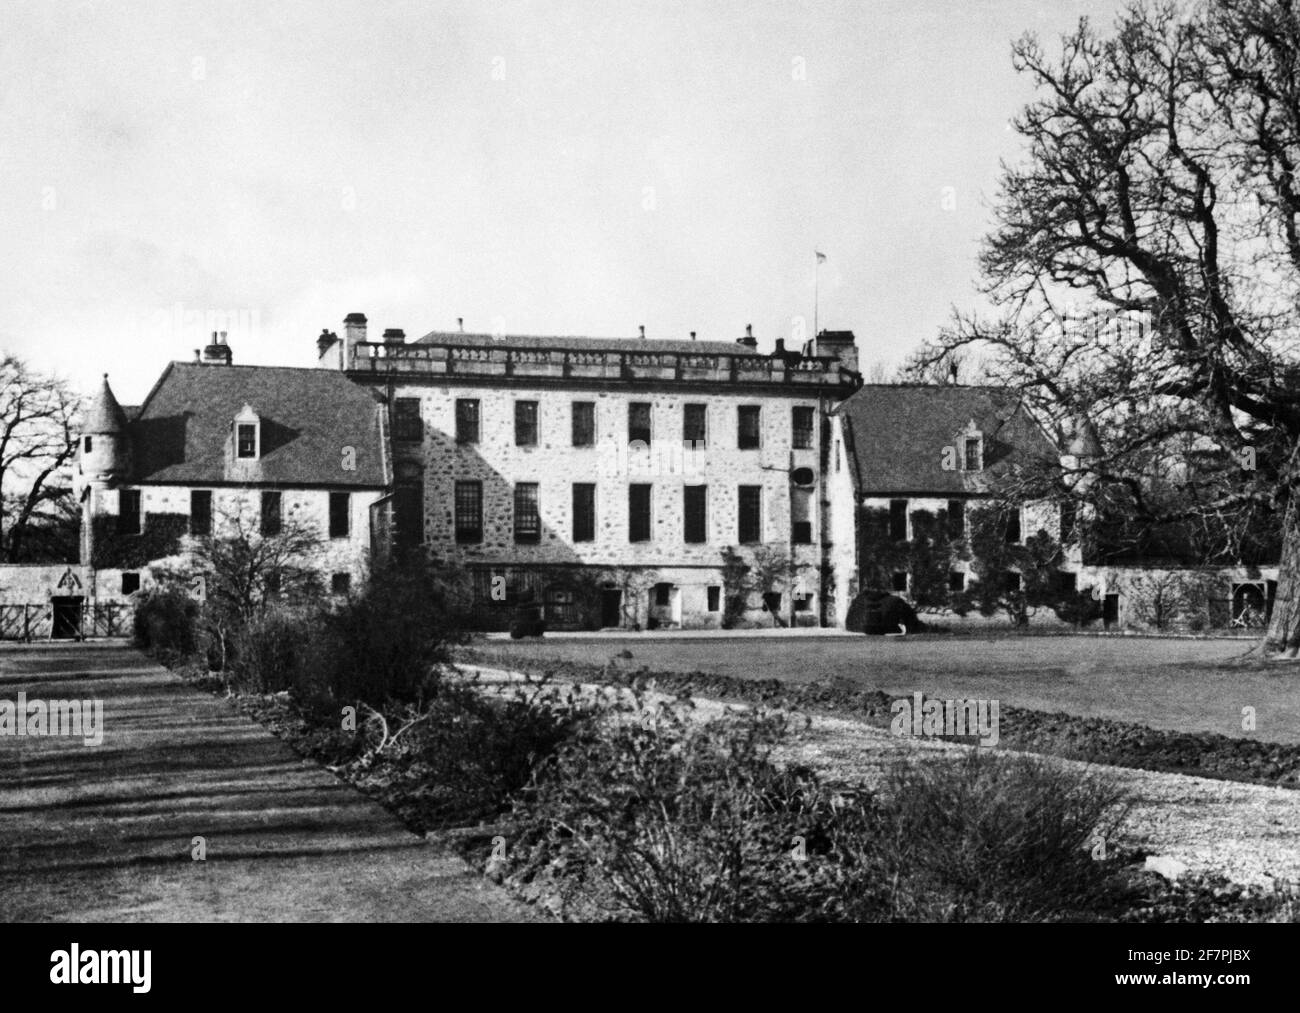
point(105, 415)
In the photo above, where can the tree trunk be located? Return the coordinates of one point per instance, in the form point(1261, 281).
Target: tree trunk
point(1283, 635)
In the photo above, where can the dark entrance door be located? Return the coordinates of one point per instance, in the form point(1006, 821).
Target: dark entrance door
point(1110, 611)
point(611, 607)
point(67, 618)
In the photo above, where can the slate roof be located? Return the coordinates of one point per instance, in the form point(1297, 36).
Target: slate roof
point(895, 435)
point(105, 416)
point(308, 416)
point(580, 344)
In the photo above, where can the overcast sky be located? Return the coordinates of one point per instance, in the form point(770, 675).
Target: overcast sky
point(546, 168)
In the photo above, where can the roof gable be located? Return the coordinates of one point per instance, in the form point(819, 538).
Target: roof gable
point(896, 437)
point(308, 417)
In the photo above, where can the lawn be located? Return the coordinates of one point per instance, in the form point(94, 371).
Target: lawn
point(1180, 685)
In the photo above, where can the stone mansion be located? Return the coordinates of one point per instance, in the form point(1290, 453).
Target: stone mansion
point(627, 482)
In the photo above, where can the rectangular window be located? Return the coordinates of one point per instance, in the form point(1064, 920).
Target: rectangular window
point(408, 427)
point(584, 423)
point(898, 520)
point(748, 417)
point(801, 516)
point(714, 595)
point(130, 583)
point(900, 582)
point(956, 519)
point(1013, 525)
point(341, 583)
point(525, 423)
point(1011, 581)
point(246, 439)
point(803, 602)
point(751, 514)
point(663, 595)
point(340, 522)
point(972, 453)
point(638, 422)
point(466, 420)
point(584, 512)
point(408, 512)
point(271, 522)
point(638, 513)
point(88, 444)
point(200, 512)
point(956, 581)
point(129, 518)
point(694, 508)
point(528, 519)
point(1067, 583)
point(803, 428)
point(469, 511)
point(695, 424)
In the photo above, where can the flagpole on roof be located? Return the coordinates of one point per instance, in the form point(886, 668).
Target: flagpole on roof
point(817, 273)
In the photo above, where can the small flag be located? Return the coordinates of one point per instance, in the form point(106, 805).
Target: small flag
point(821, 257)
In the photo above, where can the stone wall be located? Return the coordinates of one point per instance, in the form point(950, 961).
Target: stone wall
point(555, 465)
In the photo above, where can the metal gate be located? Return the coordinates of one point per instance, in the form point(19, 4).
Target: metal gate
point(31, 621)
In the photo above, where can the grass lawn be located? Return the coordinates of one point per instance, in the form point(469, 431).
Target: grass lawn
point(1181, 685)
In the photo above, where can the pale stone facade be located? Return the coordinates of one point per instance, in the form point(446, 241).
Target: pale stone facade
point(664, 578)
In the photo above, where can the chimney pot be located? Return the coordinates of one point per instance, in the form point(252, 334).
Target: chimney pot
point(749, 330)
point(460, 324)
point(780, 346)
point(198, 355)
point(223, 337)
point(643, 331)
point(692, 335)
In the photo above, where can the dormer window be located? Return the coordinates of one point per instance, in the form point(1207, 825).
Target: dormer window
point(248, 435)
point(971, 442)
point(247, 440)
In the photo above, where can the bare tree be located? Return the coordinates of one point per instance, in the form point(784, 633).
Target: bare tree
point(1145, 267)
point(38, 437)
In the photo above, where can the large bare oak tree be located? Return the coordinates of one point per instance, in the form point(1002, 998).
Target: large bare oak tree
point(1144, 267)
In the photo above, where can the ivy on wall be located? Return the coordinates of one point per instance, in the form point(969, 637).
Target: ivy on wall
point(115, 551)
point(1037, 559)
point(927, 556)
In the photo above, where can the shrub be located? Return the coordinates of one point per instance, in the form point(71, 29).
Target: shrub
point(165, 622)
point(385, 644)
point(995, 837)
point(480, 748)
point(654, 818)
point(273, 651)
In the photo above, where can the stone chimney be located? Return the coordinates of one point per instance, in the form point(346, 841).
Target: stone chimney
point(354, 333)
point(394, 336)
point(218, 352)
point(324, 344)
point(840, 345)
point(749, 341)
